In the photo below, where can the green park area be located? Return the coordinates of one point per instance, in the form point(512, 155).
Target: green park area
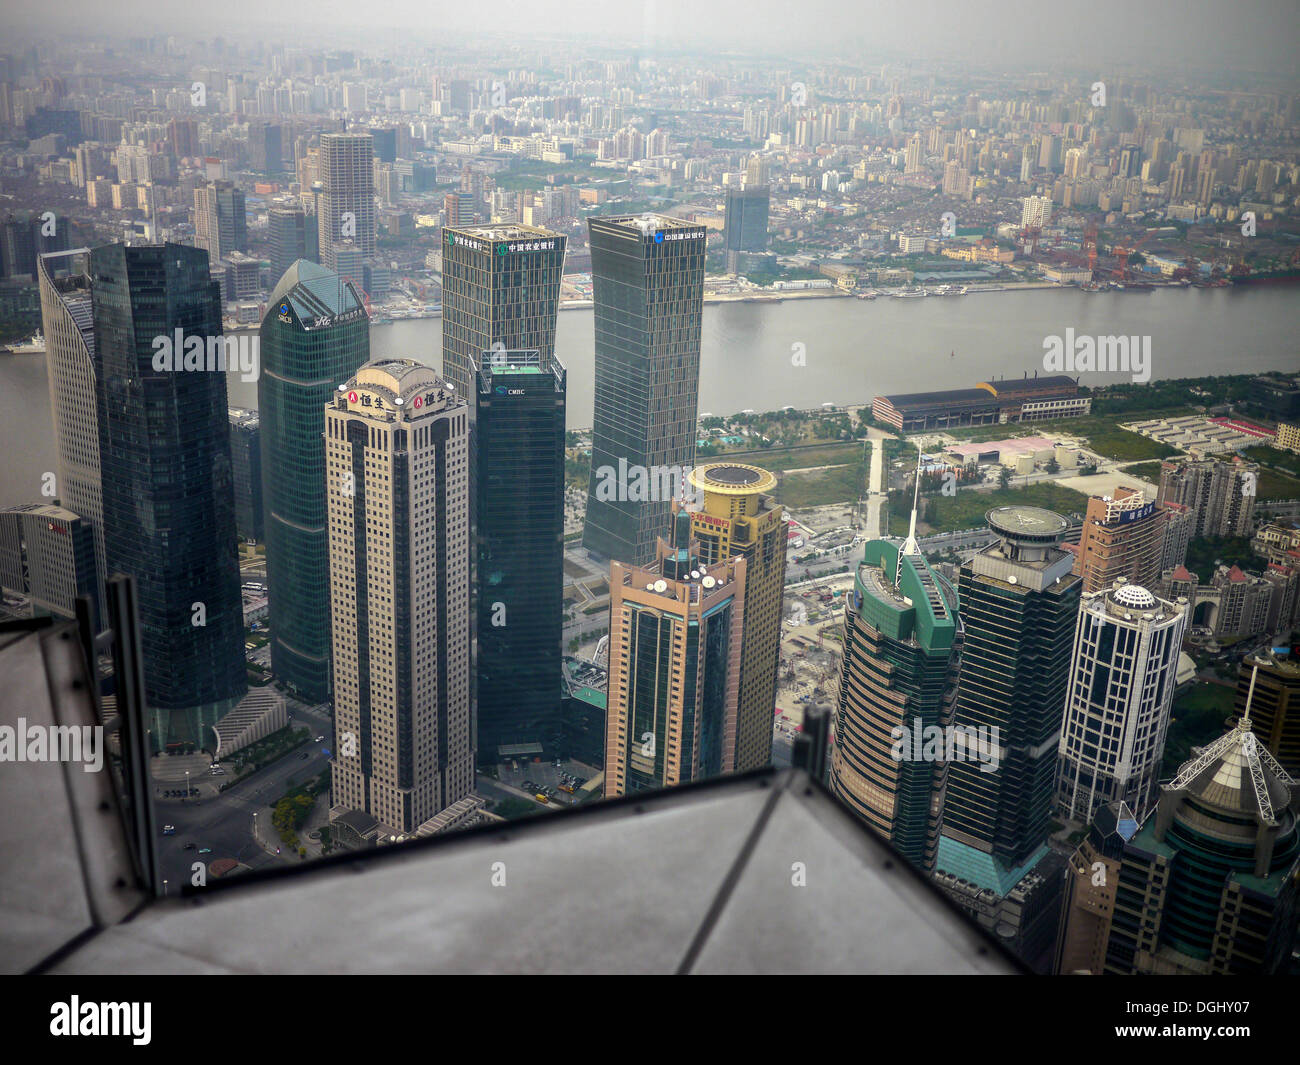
point(1197, 718)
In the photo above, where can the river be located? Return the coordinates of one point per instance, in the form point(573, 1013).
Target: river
point(803, 353)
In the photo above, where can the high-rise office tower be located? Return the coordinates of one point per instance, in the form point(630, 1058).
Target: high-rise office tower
point(519, 538)
point(264, 147)
point(220, 221)
point(738, 517)
point(67, 320)
point(347, 202)
point(1091, 881)
point(1122, 678)
point(314, 337)
point(675, 634)
point(648, 284)
point(287, 234)
point(1275, 705)
point(745, 228)
point(1123, 538)
point(1018, 603)
point(1130, 161)
point(1208, 885)
point(246, 470)
point(168, 496)
point(397, 463)
point(898, 686)
point(47, 553)
point(500, 292)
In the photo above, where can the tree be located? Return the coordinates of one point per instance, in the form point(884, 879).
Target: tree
point(1053, 466)
point(1004, 477)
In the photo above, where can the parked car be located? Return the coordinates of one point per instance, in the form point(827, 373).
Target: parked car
point(169, 830)
point(205, 850)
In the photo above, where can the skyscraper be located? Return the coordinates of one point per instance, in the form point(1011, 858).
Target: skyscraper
point(1209, 884)
point(246, 468)
point(674, 652)
point(898, 685)
point(67, 319)
point(1122, 538)
point(220, 221)
point(648, 283)
point(1018, 603)
point(397, 465)
point(314, 337)
point(738, 517)
point(519, 537)
point(500, 292)
point(264, 147)
point(347, 203)
point(745, 228)
point(1275, 703)
point(1122, 678)
point(287, 234)
point(168, 497)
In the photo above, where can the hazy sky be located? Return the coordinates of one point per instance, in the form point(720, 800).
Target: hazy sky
point(1196, 36)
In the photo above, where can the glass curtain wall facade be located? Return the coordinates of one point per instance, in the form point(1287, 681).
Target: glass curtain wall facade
point(314, 337)
point(168, 492)
point(648, 284)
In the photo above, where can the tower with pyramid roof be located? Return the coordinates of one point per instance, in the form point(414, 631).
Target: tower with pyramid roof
point(1208, 884)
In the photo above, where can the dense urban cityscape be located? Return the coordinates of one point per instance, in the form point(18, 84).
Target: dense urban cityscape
point(920, 431)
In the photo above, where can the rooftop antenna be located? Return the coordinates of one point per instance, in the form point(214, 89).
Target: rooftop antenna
point(910, 546)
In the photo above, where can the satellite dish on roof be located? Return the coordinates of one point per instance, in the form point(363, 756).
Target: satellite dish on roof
point(661, 585)
point(708, 582)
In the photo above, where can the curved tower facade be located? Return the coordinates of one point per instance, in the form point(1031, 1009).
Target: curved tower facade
point(898, 688)
point(314, 337)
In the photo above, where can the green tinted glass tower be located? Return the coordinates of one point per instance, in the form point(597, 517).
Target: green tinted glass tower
point(314, 337)
point(898, 683)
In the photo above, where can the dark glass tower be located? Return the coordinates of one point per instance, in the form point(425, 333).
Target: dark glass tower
point(1019, 602)
point(745, 226)
point(500, 291)
point(519, 483)
point(314, 337)
point(287, 235)
point(648, 283)
point(168, 496)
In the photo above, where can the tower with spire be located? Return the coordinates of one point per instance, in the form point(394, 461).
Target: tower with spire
point(1209, 883)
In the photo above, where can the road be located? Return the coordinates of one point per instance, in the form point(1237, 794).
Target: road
point(225, 822)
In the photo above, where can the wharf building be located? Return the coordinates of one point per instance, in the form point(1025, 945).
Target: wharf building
point(1024, 399)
